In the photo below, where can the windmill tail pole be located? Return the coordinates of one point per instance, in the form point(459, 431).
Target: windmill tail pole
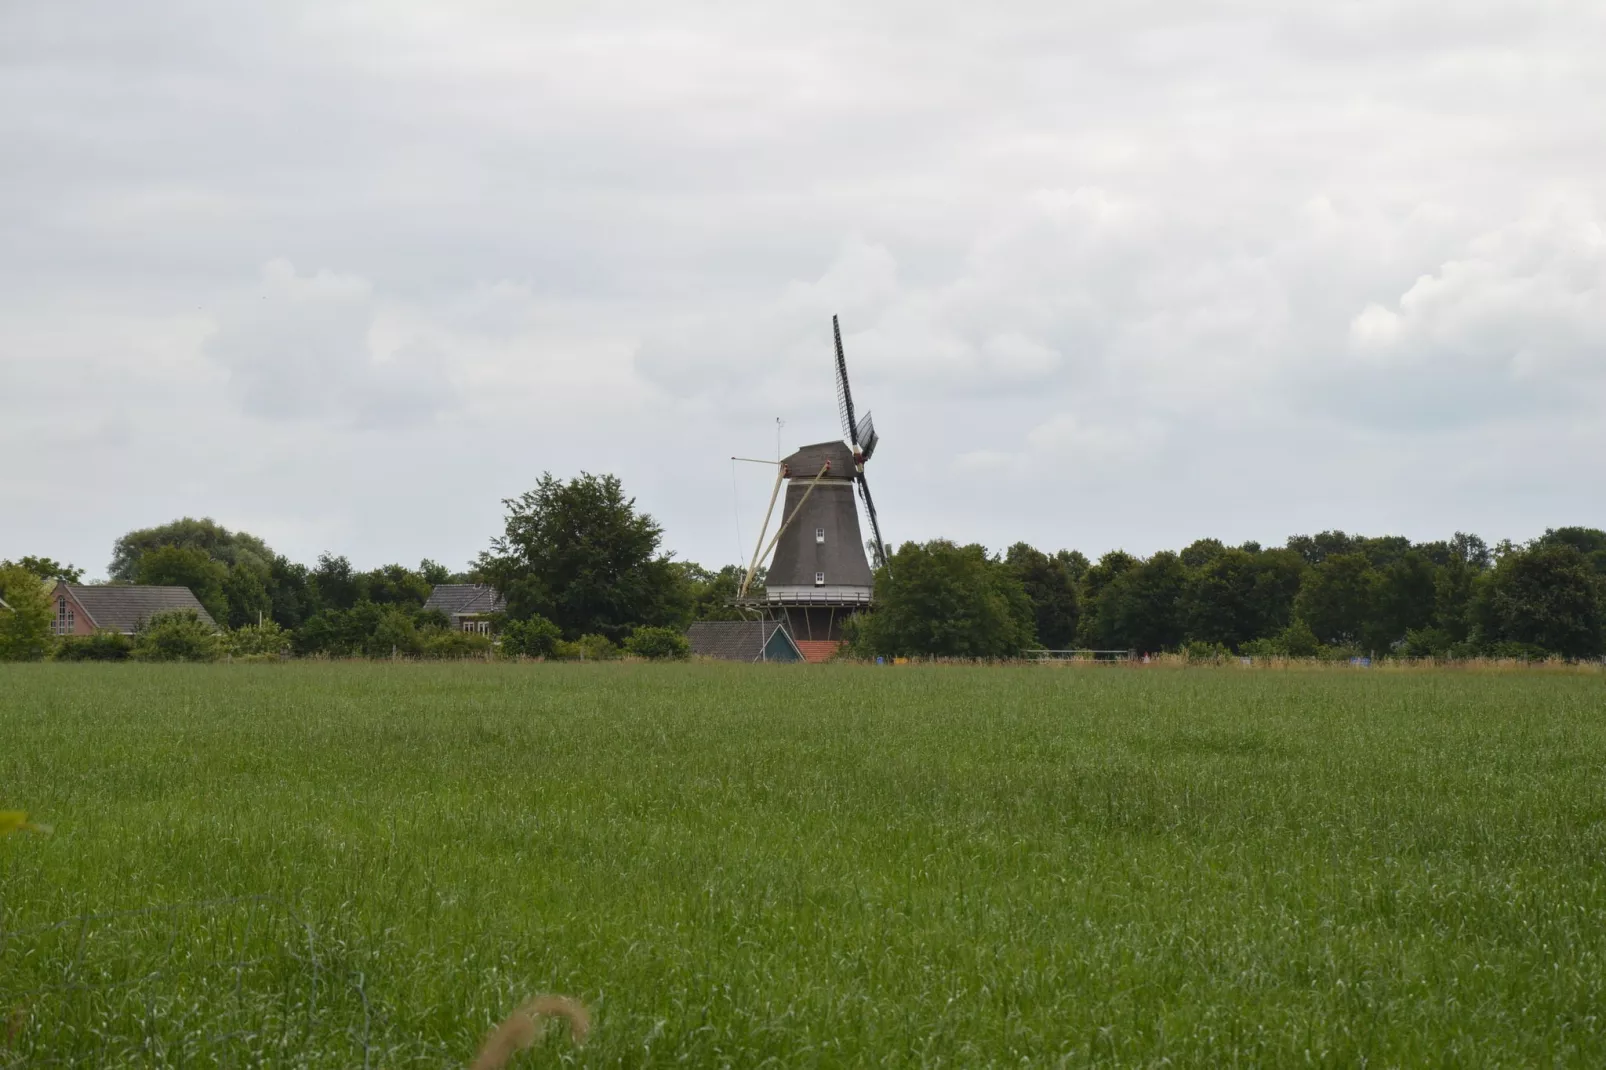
point(752, 569)
point(826, 467)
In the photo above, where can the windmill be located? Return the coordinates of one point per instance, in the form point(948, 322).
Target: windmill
point(819, 574)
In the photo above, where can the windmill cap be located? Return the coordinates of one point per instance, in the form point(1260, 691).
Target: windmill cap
point(808, 460)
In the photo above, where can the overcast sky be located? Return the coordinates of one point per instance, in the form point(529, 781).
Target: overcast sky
point(1110, 275)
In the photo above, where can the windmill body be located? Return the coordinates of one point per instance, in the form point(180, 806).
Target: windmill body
point(820, 576)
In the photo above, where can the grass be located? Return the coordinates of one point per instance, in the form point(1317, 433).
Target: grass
point(741, 866)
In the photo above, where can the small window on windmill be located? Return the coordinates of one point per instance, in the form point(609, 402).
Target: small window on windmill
point(819, 579)
point(819, 535)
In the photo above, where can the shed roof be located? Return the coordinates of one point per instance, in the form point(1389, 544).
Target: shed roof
point(124, 607)
point(465, 599)
point(737, 640)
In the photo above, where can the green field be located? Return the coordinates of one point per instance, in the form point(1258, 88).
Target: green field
point(738, 866)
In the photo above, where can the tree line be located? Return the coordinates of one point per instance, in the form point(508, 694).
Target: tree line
point(583, 574)
point(580, 567)
point(1328, 595)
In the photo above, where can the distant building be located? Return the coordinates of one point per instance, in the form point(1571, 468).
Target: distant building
point(743, 640)
point(469, 606)
point(81, 609)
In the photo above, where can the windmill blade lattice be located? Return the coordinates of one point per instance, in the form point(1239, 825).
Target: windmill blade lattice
point(844, 395)
point(875, 525)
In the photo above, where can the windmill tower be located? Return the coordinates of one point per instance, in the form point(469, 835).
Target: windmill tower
point(819, 575)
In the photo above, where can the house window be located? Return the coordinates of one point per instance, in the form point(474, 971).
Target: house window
point(819, 535)
point(477, 627)
point(64, 617)
point(819, 579)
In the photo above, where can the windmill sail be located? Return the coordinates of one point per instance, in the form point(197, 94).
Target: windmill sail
point(844, 394)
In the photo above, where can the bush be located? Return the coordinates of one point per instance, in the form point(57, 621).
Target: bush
point(177, 636)
point(533, 638)
point(588, 648)
point(658, 644)
point(1425, 643)
point(1198, 652)
point(451, 643)
point(1298, 641)
point(394, 634)
point(100, 645)
point(265, 640)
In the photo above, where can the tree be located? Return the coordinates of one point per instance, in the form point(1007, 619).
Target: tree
point(393, 632)
point(579, 554)
point(395, 585)
point(25, 626)
point(175, 566)
point(1336, 598)
point(179, 635)
point(46, 569)
point(207, 535)
point(1240, 596)
point(245, 593)
point(1051, 587)
point(1141, 609)
point(436, 574)
point(1318, 548)
point(248, 583)
point(1405, 600)
point(710, 593)
point(1096, 580)
point(1591, 542)
point(333, 584)
point(1201, 552)
point(1548, 597)
point(947, 600)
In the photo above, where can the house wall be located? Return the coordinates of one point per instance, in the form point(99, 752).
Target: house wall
point(81, 624)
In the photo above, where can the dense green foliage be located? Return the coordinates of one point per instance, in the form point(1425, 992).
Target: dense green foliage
point(179, 635)
point(536, 637)
point(948, 600)
point(580, 555)
point(25, 618)
point(900, 866)
point(658, 644)
point(46, 568)
point(99, 645)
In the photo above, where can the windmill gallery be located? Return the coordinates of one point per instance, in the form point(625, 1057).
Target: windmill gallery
point(819, 575)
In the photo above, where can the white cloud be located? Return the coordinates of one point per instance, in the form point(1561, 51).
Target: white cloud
point(1523, 303)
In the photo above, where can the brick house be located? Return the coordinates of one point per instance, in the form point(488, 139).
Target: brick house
point(82, 608)
point(468, 606)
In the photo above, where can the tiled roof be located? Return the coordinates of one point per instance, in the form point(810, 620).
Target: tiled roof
point(816, 650)
point(459, 599)
point(124, 607)
point(731, 640)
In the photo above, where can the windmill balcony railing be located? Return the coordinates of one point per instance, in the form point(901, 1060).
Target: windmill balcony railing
point(811, 596)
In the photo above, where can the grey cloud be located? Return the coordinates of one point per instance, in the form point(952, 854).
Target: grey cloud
point(1107, 253)
point(301, 348)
